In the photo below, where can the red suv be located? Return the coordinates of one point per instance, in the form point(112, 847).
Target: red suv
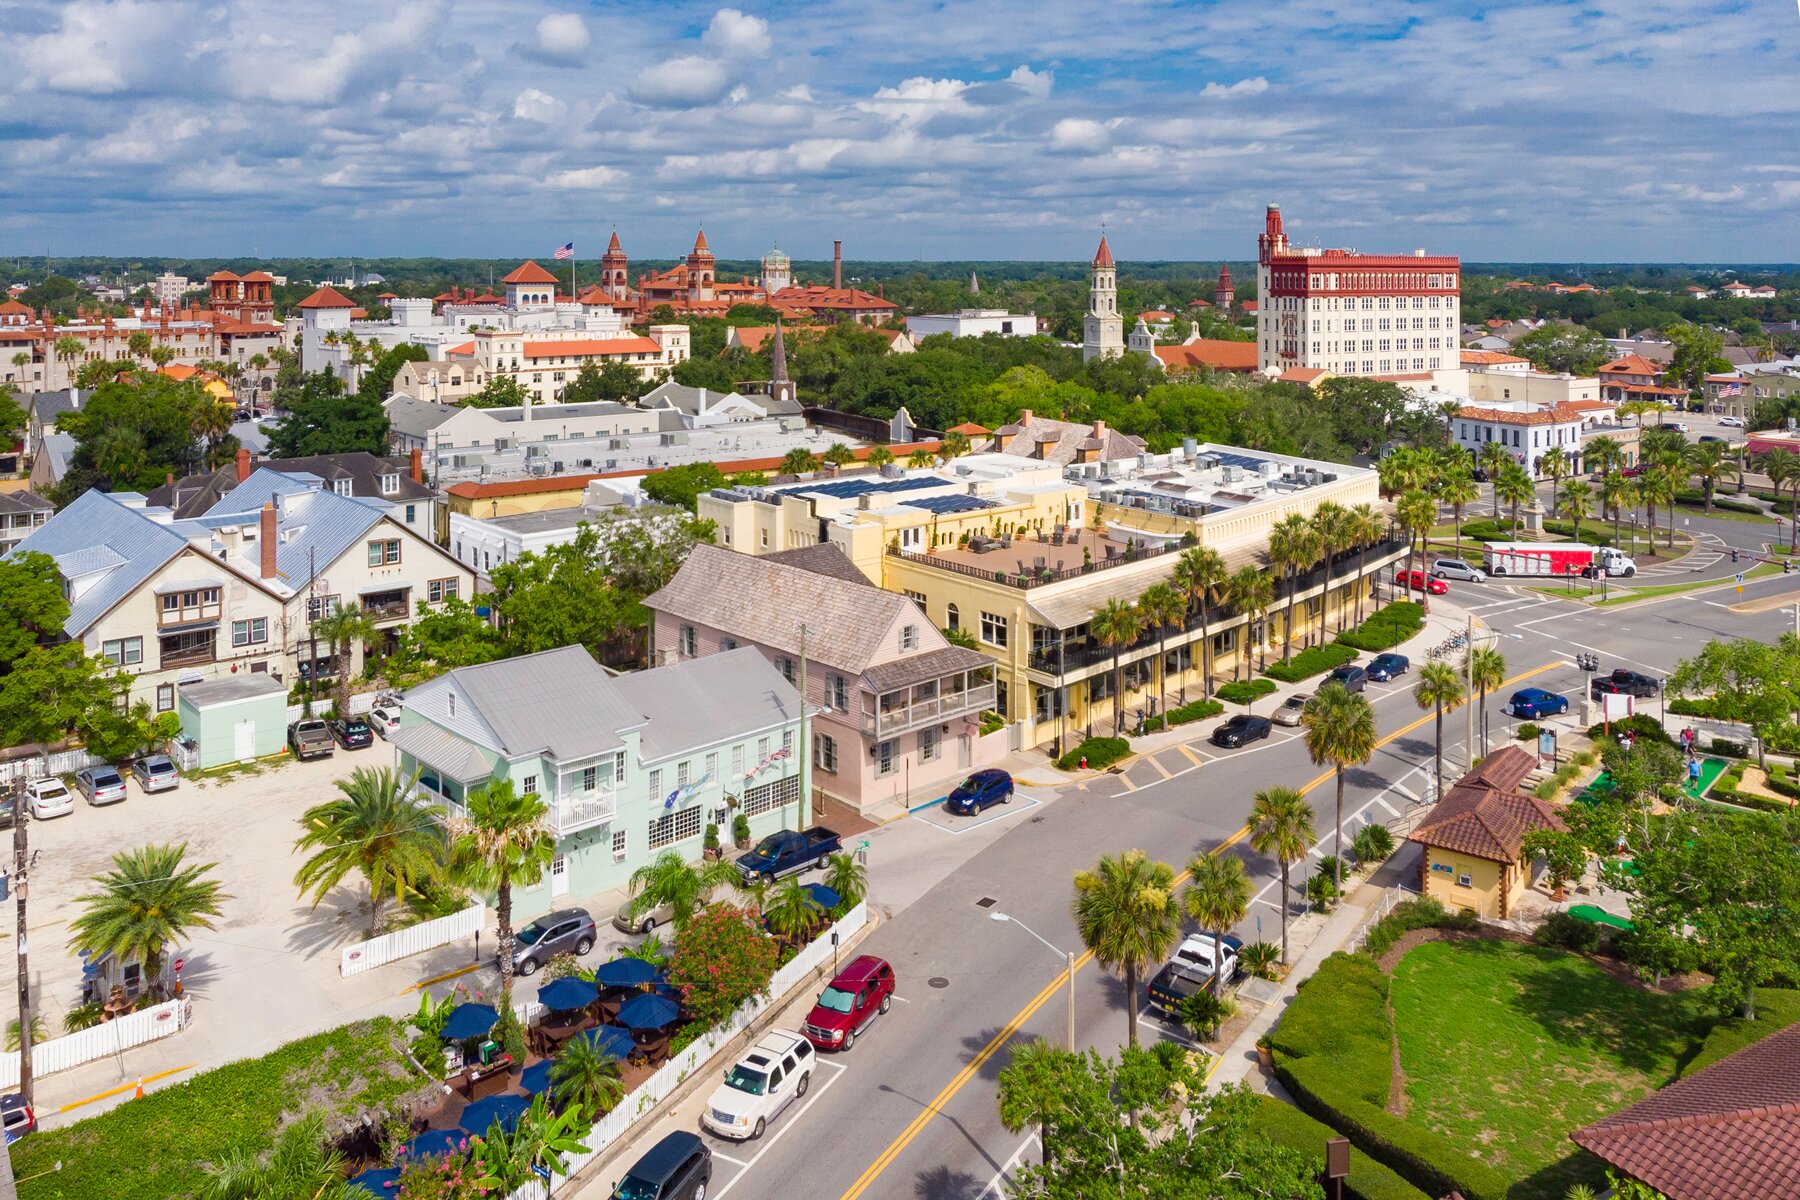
point(861, 990)
point(1419, 581)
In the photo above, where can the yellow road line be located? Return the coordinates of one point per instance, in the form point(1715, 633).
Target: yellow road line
point(126, 1087)
point(962, 1077)
point(1129, 786)
point(1195, 758)
point(1157, 763)
point(447, 975)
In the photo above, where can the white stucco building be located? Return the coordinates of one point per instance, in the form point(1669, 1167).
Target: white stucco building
point(1526, 430)
point(974, 322)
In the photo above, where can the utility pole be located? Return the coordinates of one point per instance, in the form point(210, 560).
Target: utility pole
point(1469, 686)
point(21, 813)
point(804, 748)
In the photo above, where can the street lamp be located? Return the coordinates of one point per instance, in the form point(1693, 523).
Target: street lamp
point(1068, 954)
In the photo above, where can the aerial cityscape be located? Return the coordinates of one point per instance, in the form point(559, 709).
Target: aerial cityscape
point(947, 602)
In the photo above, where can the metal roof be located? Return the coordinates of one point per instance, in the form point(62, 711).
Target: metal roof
point(97, 534)
point(558, 702)
point(443, 751)
point(706, 701)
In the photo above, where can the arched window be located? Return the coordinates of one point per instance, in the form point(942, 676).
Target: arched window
point(952, 617)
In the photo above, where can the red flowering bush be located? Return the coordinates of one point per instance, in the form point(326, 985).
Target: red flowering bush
point(721, 960)
point(440, 1177)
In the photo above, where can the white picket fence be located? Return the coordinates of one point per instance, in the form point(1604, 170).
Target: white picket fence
point(414, 939)
point(637, 1106)
point(62, 762)
point(110, 1037)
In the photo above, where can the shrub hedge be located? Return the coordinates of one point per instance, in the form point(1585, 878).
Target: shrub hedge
point(1693, 706)
point(1641, 725)
point(1424, 913)
point(1696, 497)
point(1387, 628)
point(1286, 1125)
point(1243, 691)
point(1100, 752)
point(1314, 660)
point(1195, 710)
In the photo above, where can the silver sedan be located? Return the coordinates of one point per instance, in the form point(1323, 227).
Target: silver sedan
point(1288, 713)
point(101, 785)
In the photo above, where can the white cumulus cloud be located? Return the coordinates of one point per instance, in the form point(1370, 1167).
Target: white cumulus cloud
point(734, 32)
point(685, 81)
point(1080, 133)
point(533, 105)
point(562, 38)
point(1243, 87)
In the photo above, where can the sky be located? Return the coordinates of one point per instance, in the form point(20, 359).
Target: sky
point(1599, 130)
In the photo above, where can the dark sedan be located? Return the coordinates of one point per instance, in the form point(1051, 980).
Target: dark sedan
point(1241, 730)
point(352, 734)
point(1388, 666)
point(1626, 683)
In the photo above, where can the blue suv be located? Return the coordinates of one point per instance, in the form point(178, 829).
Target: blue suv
point(978, 791)
point(1532, 703)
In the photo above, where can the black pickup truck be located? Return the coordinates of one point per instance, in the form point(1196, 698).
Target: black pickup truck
point(788, 853)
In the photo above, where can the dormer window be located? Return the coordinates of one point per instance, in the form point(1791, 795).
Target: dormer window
point(341, 486)
point(390, 484)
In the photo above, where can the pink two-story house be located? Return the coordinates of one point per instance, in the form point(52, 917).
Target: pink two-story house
point(898, 706)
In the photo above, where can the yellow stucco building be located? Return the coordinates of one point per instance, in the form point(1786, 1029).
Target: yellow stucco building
point(1472, 856)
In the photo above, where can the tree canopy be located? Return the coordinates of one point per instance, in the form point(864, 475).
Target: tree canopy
point(133, 432)
point(1557, 347)
point(323, 417)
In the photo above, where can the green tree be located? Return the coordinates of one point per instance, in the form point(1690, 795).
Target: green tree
point(1562, 852)
point(1564, 349)
point(541, 1140)
point(1416, 513)
point(1577, 503)
point(791, 910)
point(1340, 730)
point(917, 459)
point(1439, 687)
point(1281, 827)
point(377, 382)
point(303, 1165)
point(1127, 914)
point(377, 827)
point(1334, 526)
point(138, 343)
point(1707, 461)
point(1485, 668)
point(584, 1074)
point(1749, 682)
point(1699, 352)
point(1116, 625)
point(1293, 545)
point(323, 417)
point(1782, 468)
point(1602, 454)
point(1250, 592)
point(879, 456)
point(150, 899)
point(1368, 528)
point(559, 596)
point(1200, 572)
point(351, 625)
point(798, 461)
point(838, 454)
point(1216, 897)
point(1555, 464)
point(1514, 486)
point(501, 391)
point(667, 880)
point(721, 959)
point(847, 877)
point(1494, 458)
point(1161, 606)
point(1458, 492)
point(682, 485)
point(954, 445)
point(502, 840)
point(131, 433)
point(1032, 1090)
point(442, 637)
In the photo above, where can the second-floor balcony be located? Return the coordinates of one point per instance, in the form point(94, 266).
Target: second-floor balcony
point(929, 688)
point(575, 810)
point(390, 605)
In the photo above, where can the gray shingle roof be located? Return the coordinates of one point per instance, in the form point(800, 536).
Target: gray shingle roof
point(417, 417)
point(23, 502)
point(194, 495)
point(98, 534)
point(822, 559)
point(560, 702)
point(704, 701)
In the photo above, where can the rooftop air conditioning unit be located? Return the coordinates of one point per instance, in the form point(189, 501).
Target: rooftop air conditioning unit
point(1231, 474)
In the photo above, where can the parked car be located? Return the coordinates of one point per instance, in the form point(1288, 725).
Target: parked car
point(1531, 703)
point(788, 853)
point(352, 733)
point(101, 785)
point(1713, 437)
point(49, 798)
point(1190, 970)
point(9, 811)
point(156, 773)
point(1456, 568)
point(626, 921)
point(565, 931)
point(310, 738)
point(978, 791)
point(1419, 581)
point(1677, 426)
point(1623, 682)
point(1386, 667)
point(1291, 708)
point(1350, 677)
point(1732, 422)
point(775, 1073)
point(857, 995)
point(17, 1117)
point(677, 1168)
point(384, 719)
point(1240, 730)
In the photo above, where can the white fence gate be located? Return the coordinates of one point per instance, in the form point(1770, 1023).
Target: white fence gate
point(414, 939)
point(109, 1037)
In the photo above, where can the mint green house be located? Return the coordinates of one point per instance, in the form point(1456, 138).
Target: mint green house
point(628, 765)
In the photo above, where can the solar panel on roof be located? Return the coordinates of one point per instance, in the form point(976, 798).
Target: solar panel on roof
point(950, 504)
point(847, 489)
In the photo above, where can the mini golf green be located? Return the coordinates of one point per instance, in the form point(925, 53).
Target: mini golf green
point(1710, 770)
point(1599, 916)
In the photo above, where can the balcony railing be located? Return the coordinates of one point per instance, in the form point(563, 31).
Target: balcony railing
point(572, 812)
point(388, 610)
point(887, 722)
point(1035, 576)
point(185, 616)
point(191, 657)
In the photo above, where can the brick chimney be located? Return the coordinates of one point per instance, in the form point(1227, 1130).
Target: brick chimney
point(1024, 416)
point(266, 540)
point(837, 264)
point(1100, 429)
point(243, 464)
point(418, 465)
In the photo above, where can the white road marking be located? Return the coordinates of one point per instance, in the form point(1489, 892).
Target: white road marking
point(792, 1120)
point(961, 828)
point(736, 1162)
point(1000, 1175)
point(1392, 811)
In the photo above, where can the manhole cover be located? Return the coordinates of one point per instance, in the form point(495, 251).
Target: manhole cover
point(937, 981)
point(986, 902)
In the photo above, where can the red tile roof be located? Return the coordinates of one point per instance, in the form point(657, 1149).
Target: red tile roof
point(1482, 816)
point(1488, 358)
point(1305, 375)
point(1209, 352)
point(592, 347)
point(1631, 364)
point(1730, 1132)
point(833, 298)
point(1103, 256)
point(326, 297)
point(12, 308)
point(1557, 414)
point(529, 272)
point(970, 429)
point(259, 277)
point(752, 337)
point(700, 246)
point(222, 277)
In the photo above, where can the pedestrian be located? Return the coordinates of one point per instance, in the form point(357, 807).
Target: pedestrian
point(1694, 773)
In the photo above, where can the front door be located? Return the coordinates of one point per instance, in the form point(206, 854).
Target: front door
point(559, 877)
point(243, 741)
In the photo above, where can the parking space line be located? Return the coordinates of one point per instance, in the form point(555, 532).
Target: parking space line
point(792, 1120)
point(1000, 1175)
point(1155, 762)
point(736, 1162)
point(961, 828)
point(1192, 757)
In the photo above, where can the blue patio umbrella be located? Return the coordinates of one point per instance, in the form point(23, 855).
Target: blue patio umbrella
point(536, 1078)
point(567, 994)
point(825, 897)
point(610, 1039)
point(507, 1110)
point(434, 1142)
point(380, 1181)
point(627, 972)
point(648, 1011)
point(469, 1021)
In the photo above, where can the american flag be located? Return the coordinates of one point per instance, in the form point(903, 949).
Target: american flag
point(1730, 389)
point(566, 250)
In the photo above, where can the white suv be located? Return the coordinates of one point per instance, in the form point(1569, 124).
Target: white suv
point(1456, 568)
point(775, 1073)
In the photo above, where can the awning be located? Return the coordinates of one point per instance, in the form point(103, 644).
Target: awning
point(442, 751)
point(187, 627)
point(381, 588)
point(170, 586)
point(923, 668)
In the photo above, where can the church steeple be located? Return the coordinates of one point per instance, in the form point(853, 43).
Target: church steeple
point(1102, 330)
point(781, 388)
point(615, 270)
point(700, 270)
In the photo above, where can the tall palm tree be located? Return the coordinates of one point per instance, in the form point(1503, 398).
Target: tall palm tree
point(1369, 528)
point(1484, 667)
point(149, 899)
point(377, 827)
point(502, 839)
point(1198, 572)
point(1216, 896)
point(1115, 626)
point(1665, 485)
point(582, 1073)
point(1493, 459)
point(847, 877)
point(1415, 513)
point(1440, 686)
point(791, 909)
point(1250, 592)
point(1783, 470)
point(667, 880)
point(1126, 913)
point(799, 461)
point(879, 456)
point(67, 349)
point(304, 1165)
point(918, 458)
point(1340, 730)
point(1577, 503)
point(350, 625)
point(1161, 606)
point(1281, 826)
point(1602, 454)
point(838, 454)
point(1514, 486)
point(1555, 464)
point(1458, 491)
point(1293, 544)
point(1615, 491)
point(1707, 461)
point(1336, 531)
point(138, 343)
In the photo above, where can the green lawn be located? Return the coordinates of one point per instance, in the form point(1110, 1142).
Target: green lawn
point(1508, 1048)
point(1286, 1125)
point(1632, 595)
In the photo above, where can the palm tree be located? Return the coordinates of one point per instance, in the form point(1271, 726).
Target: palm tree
point(1555, 464)
point(1336, 531)
point(954, 445)
point(1484, 667)
point(1783, 470)
point(879, 456)
point(918, 458)
point(21, 360)
point(1515, 487)
point(378, 827)
point(67, 349)
point(1126, 913)
point(1493, 459)
point(1708, 461)
point(349, 625)
point(1602, 454)
point(1198, 571)
point(1665, 485)
point(1216, 896)
point(1439, 687)
point(162, 356)
point(799, 461)
point(1161, 606)
point(148, 900)
point(1415, 513)
point(138, 343)
point(303, 1166)
point(583, 1074)
point(791, 910)
point(1250, 591)
point(847, 877)
point(1368, 528)
point(1115, 626)
point(1281, 826)
point(1459, 489)
point(1340, 730)
point(838, 454)
point(1292, 545)
point(667, 880)
point(502, 839)
point(1615, 490)
point(1577, 503)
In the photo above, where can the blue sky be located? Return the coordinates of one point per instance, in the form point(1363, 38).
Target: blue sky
point(1644, 130)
